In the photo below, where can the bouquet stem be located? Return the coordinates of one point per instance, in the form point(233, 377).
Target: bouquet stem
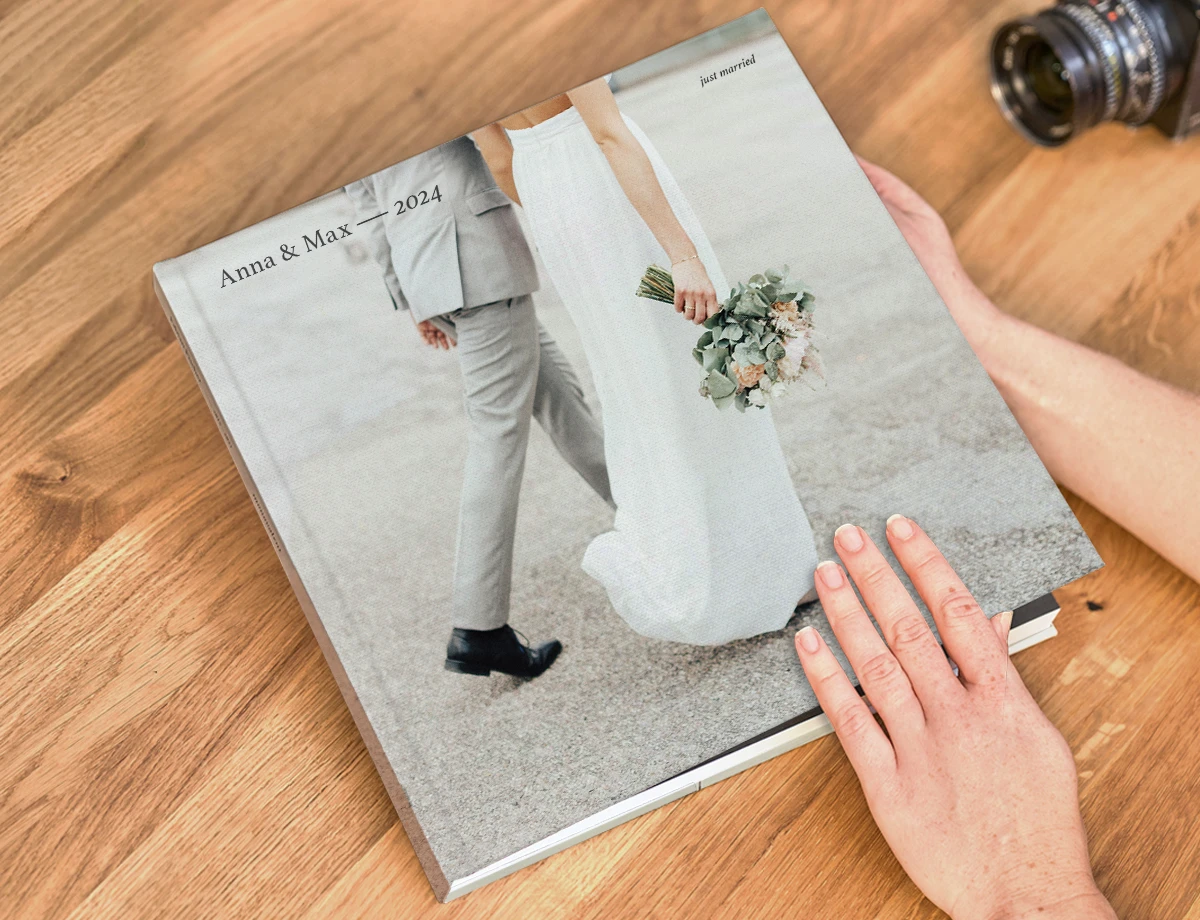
point(657, 284)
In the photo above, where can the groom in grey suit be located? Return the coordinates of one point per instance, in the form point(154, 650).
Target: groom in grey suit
point(454, 256)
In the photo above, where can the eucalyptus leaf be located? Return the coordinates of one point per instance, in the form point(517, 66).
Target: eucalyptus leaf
point(719, 386)
point(705, 340)
point(722, 401)
point(775, 351)
point(733, 332)
point(715, 358)
point(748, 355)
point(750, 305)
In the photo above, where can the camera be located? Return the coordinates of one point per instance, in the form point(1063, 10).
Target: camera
point(1084, 62)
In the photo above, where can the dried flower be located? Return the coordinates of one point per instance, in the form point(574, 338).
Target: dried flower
point(796, 348)
point(749, 375)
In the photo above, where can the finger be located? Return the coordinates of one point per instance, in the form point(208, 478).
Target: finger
point(869, 750)
point(679, 300)
point(968, 638)
point(890, 187)
point(1002, 624)
point(907, 634)
point(883, 680)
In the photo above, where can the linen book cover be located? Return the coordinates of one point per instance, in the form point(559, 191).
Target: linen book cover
point(551, 424)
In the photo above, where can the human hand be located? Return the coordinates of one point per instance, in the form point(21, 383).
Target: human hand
point(930, 240)
point(433, 336)
point(973, 788)
point(695, 296)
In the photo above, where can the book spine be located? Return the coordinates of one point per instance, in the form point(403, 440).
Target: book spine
point(391, 782)
point(230, 445)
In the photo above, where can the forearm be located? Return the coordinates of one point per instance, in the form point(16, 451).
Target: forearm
point(636, 176)
point(503, 175)
point(493, 143)
point(1126, 443)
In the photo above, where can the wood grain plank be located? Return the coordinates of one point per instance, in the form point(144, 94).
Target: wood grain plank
point(173, 744)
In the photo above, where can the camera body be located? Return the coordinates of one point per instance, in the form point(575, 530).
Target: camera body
point(1180, 115)
point(1083, 62)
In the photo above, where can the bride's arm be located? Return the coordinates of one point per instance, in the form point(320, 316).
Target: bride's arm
point(497, 151)
point(694, 293)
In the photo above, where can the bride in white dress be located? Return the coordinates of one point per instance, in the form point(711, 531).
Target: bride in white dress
point(709, 541)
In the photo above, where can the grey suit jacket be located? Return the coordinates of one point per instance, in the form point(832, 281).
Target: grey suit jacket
point(464, 250)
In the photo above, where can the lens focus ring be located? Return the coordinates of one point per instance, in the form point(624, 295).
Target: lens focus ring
point(1105, 42)
point(1158, 81)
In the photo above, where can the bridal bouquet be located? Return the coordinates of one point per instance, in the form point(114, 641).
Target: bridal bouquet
point(757, 344)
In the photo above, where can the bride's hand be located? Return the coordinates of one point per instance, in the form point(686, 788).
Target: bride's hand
point(695, 296)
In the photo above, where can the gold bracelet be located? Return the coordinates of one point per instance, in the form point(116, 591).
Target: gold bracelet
point(688, 259)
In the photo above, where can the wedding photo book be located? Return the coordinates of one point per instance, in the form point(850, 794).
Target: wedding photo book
point(551, 424)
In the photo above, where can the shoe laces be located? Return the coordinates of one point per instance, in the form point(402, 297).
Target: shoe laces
point(524, 643)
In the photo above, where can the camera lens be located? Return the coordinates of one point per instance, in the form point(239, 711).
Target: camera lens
point(1047, 79)
point(1084, 62)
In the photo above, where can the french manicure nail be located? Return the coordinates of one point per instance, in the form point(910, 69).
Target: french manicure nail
point(810, 641)
point(850, 537)
point(831, 574)
point(899, 527)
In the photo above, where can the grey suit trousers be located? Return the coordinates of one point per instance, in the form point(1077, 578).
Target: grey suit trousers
point(512, 372)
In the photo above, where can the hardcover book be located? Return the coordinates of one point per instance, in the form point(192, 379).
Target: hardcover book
point(551, 424)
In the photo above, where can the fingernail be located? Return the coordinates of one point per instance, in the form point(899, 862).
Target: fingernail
point(899, 527)
point(850, 537)
point(809, 639)
point(831, 574)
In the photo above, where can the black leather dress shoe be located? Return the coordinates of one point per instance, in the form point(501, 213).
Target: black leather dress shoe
point(482, 651)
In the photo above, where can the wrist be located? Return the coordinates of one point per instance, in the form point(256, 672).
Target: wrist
point(1086, 904)
point(981, 322)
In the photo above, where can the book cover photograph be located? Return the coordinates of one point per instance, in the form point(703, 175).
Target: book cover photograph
point(551, 424)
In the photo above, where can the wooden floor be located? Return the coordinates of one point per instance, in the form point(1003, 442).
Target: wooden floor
point(171, 741)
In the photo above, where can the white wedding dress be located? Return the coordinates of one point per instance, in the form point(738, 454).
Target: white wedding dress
point(709, 543)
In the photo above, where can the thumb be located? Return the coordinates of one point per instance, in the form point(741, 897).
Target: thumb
point(1002, 624)
point(896, 194)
